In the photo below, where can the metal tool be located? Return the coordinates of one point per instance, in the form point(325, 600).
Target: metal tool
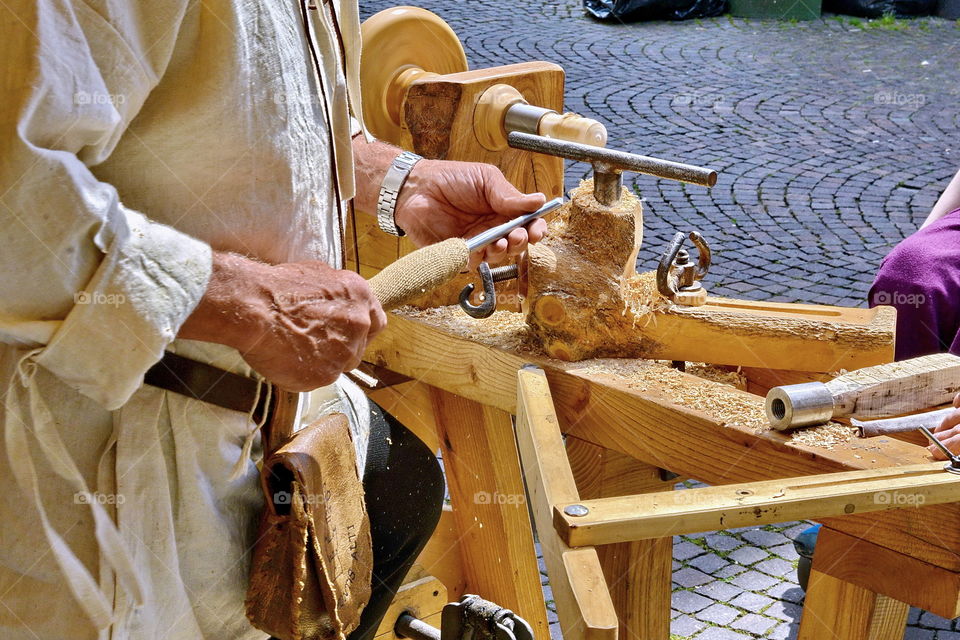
point(490, 276)
point(953, 466)
point(675, 260)
point(608, 164)
point(472, 618)
point(492, 235)
point(928, 420)
point(799, 405)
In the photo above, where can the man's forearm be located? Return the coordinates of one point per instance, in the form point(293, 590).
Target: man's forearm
point(370, 163)
point(949, 201)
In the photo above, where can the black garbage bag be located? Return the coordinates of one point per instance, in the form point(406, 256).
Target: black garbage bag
point(876, 8)
point(655, 9)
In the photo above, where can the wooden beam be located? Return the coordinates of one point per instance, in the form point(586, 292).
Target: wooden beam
point(656, 515)
point(584, 606)
point(442, 556)
point(897, 575)
point(842, 611)
point(489, 507)
point(639, 574)
point(422, 595)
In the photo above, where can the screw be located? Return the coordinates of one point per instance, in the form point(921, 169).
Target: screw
point(576, 510)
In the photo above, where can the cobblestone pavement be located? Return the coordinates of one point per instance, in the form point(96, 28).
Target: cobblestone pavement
point(832, 142)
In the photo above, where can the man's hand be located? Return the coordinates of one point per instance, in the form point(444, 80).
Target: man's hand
point(948, 432)
point(300, 325)
point(445, 199)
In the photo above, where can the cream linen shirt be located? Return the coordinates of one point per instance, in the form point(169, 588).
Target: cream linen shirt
point(136, 136)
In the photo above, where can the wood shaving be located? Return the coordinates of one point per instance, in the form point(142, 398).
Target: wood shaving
point(824, 437)
point(504, 329)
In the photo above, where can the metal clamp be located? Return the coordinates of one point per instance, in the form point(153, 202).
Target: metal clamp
point(688, 291)
point(488, 277)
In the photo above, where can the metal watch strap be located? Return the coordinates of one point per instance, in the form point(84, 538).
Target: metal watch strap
point(390, 188)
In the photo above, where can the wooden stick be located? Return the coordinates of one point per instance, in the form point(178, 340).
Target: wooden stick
point(655, 515)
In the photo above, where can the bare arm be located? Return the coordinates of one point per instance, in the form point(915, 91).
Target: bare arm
point(949, 201)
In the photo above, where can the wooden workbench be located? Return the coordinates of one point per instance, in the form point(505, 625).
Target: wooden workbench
point(868, 568)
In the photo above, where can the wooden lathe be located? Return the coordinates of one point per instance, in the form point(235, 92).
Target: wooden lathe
point(520, 407)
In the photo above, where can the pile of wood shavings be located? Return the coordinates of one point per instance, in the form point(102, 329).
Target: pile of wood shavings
point(641, 297)
point(716, 399)
point(504, 329)
point(824, 437)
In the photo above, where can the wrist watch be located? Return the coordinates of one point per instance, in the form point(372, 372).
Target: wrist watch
point(390, 188)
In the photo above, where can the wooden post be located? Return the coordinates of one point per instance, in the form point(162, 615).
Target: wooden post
point(489, 506)
point(638, 573)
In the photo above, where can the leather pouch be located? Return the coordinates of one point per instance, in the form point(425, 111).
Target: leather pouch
point(312, 563)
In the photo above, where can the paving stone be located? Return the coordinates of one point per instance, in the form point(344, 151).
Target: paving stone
point(708, 563)
point(748, 555)
point(928, 619)
point(688, 601)
point(685, 550)
point(764, 538)
point(785, 551)
point(722, 542)
point(728, 571)
point(775, 567)
point(719, 633)
point(787, 590)
point(784, 631)
point(688, 577)
point(685, 626)
point(914, 616)
point(757, 625)
point(948, 635)
point(915, 633)
point(754, 581)
point(753, 602)
point(719, 590)
point(719, 614)
point(785, 611)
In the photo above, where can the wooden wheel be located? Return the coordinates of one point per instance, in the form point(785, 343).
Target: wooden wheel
point(399, 46)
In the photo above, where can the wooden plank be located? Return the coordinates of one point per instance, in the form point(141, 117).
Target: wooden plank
point(442, 556)
point(919, 584)
point(583, 602)
point(489, 506)
point(842, 611)
point(638, 574)
point(656, 515)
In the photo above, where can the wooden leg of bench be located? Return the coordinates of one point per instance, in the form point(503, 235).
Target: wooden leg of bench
point(638, 573)
point(840, 610)
point(489, 506)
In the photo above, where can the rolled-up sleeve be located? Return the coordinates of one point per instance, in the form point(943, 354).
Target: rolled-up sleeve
point(73, 79)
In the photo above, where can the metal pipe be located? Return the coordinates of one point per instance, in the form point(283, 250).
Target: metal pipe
point(799, 405)
point(607, 186)
point(492, 235)
point(524, 117)
point(408, 626)
point(613, 160)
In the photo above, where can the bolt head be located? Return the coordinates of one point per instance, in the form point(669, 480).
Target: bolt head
point(576, 510)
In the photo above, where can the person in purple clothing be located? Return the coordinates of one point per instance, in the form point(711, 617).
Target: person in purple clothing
point(921, 279)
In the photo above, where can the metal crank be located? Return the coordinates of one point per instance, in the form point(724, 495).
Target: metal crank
point(472, 618)
point(687, 291)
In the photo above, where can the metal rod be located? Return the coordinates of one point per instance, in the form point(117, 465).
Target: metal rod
point(492, 235)
point(409, 627)
point(614, 160)
point(606, 186)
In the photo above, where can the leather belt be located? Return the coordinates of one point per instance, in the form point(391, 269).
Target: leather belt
point(207, 383)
